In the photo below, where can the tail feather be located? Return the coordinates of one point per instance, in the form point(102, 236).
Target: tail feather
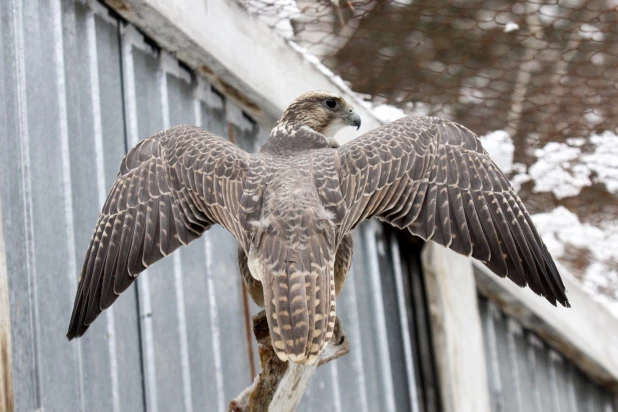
point(299, 293)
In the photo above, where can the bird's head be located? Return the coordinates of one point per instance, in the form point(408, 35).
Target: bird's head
point(322, 111)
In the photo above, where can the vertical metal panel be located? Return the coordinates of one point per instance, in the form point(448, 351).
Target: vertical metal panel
point(244, 129)
point(170, 85)
point(403, 302)
point(379, 317)
point(493, 369)
point(16, 215)
point(366, 316)
point(387, 276)
point(351, 368)
point(209, 112)
point(95, 358)
point(198, 388)
point(44, 93)
point(229, 297)
point(527, 375)
point(126, 329)
point(162, 361)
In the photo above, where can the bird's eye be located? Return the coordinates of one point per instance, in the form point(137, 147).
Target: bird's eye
point(331, 103)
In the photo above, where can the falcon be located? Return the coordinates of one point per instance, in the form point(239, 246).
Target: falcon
point(292, 207)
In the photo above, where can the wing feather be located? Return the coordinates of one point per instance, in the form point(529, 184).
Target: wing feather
point(433, 177)
point(171, 188)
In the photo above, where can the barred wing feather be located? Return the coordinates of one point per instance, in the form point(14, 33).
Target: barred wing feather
point(171, 187)
point(432, 177)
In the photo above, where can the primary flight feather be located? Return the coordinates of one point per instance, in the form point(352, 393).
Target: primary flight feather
point(292, 207)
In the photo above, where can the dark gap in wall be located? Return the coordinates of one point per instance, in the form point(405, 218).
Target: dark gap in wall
point(431, 362)
point(114, 15)
point(217, 92)
point(426, 372)
point(150, 42)
point(186, 67)
point(249, 118)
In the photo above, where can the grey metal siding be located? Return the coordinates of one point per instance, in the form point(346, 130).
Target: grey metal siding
point(525, 374)
point(78, 87)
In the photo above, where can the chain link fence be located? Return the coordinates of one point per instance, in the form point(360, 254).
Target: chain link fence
point(541, 70)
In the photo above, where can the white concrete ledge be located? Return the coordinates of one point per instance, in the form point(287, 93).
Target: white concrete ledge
point(456, 330)
point(586, 333)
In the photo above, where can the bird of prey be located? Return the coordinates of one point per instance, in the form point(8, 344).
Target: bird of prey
point(292, 207)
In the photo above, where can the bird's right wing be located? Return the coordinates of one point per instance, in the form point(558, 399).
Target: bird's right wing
point(171, 187)
point(432, 177)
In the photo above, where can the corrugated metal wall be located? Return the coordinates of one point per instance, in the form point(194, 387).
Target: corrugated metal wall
point(77, 88)
point(525, 374)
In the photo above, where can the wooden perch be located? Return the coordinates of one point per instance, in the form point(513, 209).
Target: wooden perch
point(280, 385)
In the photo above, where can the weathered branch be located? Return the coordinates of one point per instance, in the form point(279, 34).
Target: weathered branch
point(280, 385)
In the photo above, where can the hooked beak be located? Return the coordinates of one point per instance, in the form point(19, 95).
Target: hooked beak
point(353, 119)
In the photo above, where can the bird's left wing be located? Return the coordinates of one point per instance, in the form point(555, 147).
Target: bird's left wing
point(432, 177)
point(171, 187)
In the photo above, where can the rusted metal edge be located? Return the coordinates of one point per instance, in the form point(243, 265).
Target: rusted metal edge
point(7, 403)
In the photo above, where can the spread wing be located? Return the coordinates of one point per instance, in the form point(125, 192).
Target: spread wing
point(171, 188)
point(432, 177)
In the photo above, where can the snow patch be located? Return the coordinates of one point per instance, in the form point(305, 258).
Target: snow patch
point(565, 168)
point(500, 148)
point(560, 228)
point(471, 95)
point(387, 113)
point(590, 32)
point(558, 170)
point(593, 118)
point(277, 14)
point(604, 160)
point(511, 26)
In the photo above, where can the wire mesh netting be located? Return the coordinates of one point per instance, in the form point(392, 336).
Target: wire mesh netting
point(543, 71)
point(542, 68)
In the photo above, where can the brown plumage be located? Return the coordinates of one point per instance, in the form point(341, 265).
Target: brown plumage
point(293, 205)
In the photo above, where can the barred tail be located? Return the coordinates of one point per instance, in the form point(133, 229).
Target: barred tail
point(299, 295)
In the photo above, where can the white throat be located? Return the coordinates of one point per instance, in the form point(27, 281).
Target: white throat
point(332, 129)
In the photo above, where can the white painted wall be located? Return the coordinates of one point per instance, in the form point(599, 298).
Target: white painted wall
point(456, 330)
